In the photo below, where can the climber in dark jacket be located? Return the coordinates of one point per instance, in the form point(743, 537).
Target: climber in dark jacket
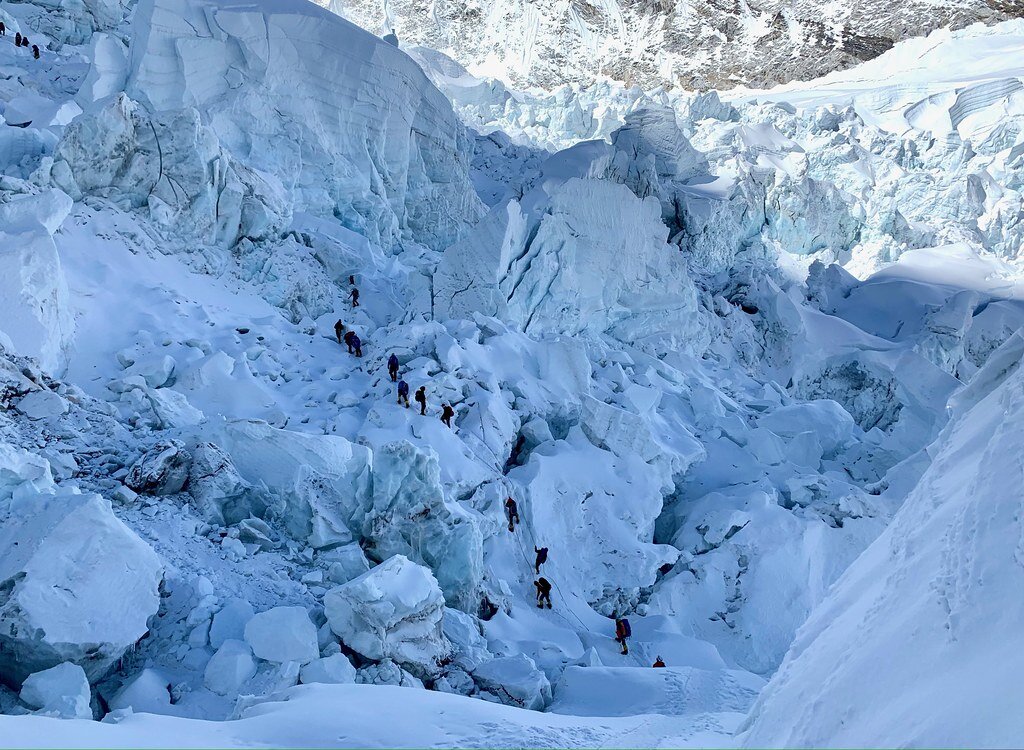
point(349, 335)
point(17, 39)
point(421, 399)
point(658, 663)
point(3, 29)
point(542, 557)
point(357, 344)
point(354, 294)
point(622, 632)
point(511, 513)
point(403, 393)
point(339, 330)
point(393, 367)
point(447, 412)
point(543, 592)
point(35, 51)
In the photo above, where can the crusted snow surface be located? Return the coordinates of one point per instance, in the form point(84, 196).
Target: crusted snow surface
point(653, 342)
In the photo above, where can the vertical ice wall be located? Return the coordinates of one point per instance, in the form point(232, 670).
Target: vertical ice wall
point(348, 123)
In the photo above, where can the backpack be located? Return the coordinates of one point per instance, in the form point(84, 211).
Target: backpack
point(627, 631)
point(403, 388)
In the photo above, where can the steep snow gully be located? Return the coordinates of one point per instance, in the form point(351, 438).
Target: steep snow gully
point(749, 368)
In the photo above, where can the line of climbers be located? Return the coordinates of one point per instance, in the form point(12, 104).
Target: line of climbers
point(623, 630)
point(19, 40)
point(355, 346)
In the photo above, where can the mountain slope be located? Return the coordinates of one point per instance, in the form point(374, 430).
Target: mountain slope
point(694, 45)
point(919, 642)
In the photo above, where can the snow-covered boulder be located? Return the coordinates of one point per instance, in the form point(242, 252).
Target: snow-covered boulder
point(831, 424)
point(283, 634)
point(147, 692)
point(318, 482)
point(387, 673)
point(396, 168)
point(37, 318)
point(162, 470)
point(43, 405)
point(81, 586)
point(344, 563)
point(335, 669)
point(229, 622)
point(468, 642)
point(61, 691)
point(231, 667)
point(392, 612)
point(515, 681)
point(410, 516)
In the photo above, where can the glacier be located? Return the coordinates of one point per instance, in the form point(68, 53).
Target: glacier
point(746, 361)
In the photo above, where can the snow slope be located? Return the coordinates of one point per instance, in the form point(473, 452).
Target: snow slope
point(918, 642)
point(644, 340)
point(372, 716)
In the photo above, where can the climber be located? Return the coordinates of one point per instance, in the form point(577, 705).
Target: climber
point(447, 412)
point(512, 513)
point(17, 39)
point(24, 41)
point(658, 663)
point(3, 29)
point(622, 632)
point(542, 557)
point(421, 399)
point(393, 367)
point(339, 330)
point(357, 344)
point(354, 294)
point(349, 335)
point(403, 393)
point(352, 280)
point(35, 51)
point(543, 592)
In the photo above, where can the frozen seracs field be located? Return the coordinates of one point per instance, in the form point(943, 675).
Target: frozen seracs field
point(734, 360)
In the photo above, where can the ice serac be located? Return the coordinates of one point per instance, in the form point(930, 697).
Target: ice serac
point(393, 611)
point(61, 691)
point(173, 165)
point(78, 585)
point(34, 297)
point(318, 482)
point(919, 641)
point(593, 257)
point(515, 681)
point(347, 122)
point(411, 516)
